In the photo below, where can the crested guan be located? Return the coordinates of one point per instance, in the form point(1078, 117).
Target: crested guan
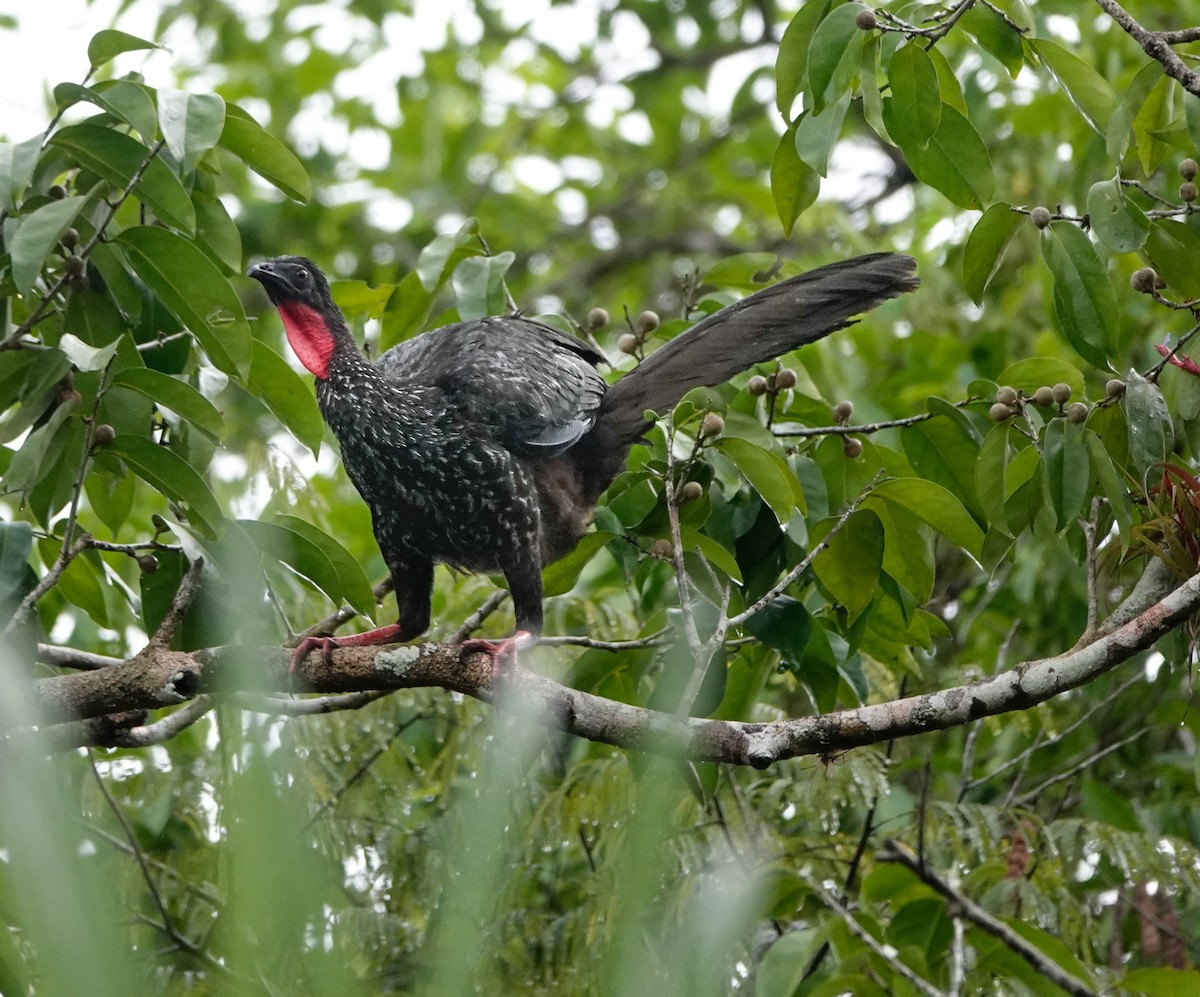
point(485, 444)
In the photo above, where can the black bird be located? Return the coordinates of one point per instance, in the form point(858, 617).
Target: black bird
point(485, 444)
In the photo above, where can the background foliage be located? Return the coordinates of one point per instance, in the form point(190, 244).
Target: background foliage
point(630, 156)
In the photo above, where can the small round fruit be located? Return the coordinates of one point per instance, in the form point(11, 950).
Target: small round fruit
point(851, 447)
point(647, 321)
point(148, 563)
point(662, 549)
point(104, 435)
point(76, 267)
point(1114, 388)
point(627, 342)
point(1188, 168)
point(1040, 216)
point(1188, 191)
point(70, 238)
point(1077, 412)
point(691, 491)
point(1144, 280)
point(712, 424)
point(1044, 396)
point(57, 191)
point(757, 385)
point(1062, 393)
point(597, 318)
point(1006, 395)
point(69, 396)
point(785, 379)
point(865, 20)
point(842, 411)
point(160, 524)
point(999, 412)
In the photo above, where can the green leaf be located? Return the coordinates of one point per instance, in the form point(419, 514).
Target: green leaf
point(1159, 981)
point(1068, 472)
point(1031, 373)
point(194, 291)
point(768, 475)
point(872, 98)
point(124, 100)
point(442, 255)
point(1108, 482)
point(953, 161)
point(297, 552)
point(816, 134)
point(943, 451)
point(784, 625)
point(914, 83)
point(1087, 89)
point(172, 476)
point(1191, 110)
point(191, 123)
point(1120, 125)
point(358, 298)
point(407, 311)
point(987, 246)
point(478, 284)
point(25, 470)
point(936, 506)
point(86, 357)
point(560, 577)
point(174, 394)
point(948, 83)
point(36, 238)
point(1085, 302)
point(16, 544)
point(1150, 432)
point(713, 552)
point(996, 37)
point(216, 232)
point(108, 44)
point(1053, 948)
point(18, 160)
point(849, 567)
point(286, 394)
point(111, 496)
point(833, 54)
point(791, 65)
point(353, 583)
point(1118, 222)
point(1151, 121)
point(1171, 248)
point(264, 154)
point(793, 184)
point(907, 547)
point(117, 158)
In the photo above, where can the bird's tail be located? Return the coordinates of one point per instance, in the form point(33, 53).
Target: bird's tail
point(758, 328)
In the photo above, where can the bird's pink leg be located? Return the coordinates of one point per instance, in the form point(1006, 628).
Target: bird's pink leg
point(383, 635)
point(502, 652)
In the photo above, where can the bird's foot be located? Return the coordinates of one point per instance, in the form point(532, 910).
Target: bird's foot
point(502, 652)
point(381, 635)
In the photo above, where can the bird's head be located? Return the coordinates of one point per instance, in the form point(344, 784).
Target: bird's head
point(313, 323)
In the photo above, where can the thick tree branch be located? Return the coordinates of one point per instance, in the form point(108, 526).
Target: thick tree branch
point(159, 677)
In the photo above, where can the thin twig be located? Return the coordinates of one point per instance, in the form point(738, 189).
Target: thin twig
point(69, 657)
point(1155, 44)
point(886, 953)
point(331, 623)
point(168, 926)
point(1152, 373)
point(967, 908)
point(45, 583)
point(311, 706)
point(477, 618)
point(656, 639)
point(1091, 760)
point(778, 589)
point(189, 588)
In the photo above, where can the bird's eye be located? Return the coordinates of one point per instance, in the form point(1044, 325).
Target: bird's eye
point(302, 276)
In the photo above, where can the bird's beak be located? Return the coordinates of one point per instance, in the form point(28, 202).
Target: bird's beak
point(272, 279)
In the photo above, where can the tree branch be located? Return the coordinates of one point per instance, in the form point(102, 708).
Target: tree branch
point(159, 676)
point(1156, 44)
point(964, 906)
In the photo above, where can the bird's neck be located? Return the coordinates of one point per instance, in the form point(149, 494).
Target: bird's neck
point(312, 336)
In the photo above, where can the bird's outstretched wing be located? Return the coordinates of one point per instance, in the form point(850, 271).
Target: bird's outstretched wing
point(533, 388)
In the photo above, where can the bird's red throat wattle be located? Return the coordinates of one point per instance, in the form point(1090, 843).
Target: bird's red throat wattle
point(309, 336)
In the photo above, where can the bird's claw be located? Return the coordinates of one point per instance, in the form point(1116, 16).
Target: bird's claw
point(300, 651)
point(502, 652)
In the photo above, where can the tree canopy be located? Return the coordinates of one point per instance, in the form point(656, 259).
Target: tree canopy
point(874, 675)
